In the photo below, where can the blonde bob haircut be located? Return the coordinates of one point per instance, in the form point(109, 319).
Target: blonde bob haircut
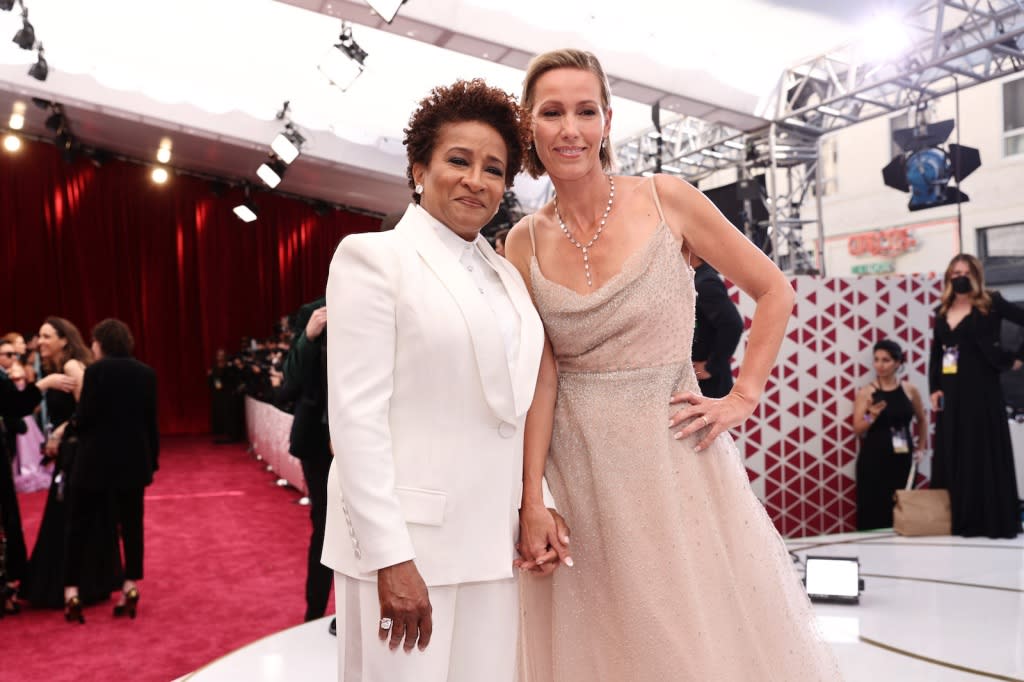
point(564, 59)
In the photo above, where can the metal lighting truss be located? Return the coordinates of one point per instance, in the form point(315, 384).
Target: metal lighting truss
point(952, 45)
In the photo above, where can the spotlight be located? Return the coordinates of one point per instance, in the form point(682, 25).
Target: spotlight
point(159, 175)
point(272, 171)
point(246, 211)
point(343, 65)
point(40, 70)
point(833, 579)
point(12, 142)
point(163, 154)
point(17, 121)
point(925, 168)
point(386, 9)
point(288, 145)
point(25, 38)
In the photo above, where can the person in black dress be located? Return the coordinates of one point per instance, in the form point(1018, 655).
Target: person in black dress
point(117, 456)
point(718, 329)
point(14, 405)
point(305, 375)
point(973, 452)
point(64, 354)
point(882, 413)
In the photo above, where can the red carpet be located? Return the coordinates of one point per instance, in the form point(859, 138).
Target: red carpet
point(225, 565)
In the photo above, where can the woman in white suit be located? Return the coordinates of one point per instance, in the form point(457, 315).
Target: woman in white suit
point(433, 352)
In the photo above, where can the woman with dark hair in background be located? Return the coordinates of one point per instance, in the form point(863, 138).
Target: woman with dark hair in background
point(973, 452)
point(119, 444)
point(65, 357)
point(882, 413)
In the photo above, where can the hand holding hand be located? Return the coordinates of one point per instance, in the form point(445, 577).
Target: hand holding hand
point(543, 539)
point(714, 415)
point(546, 563)
point(405, 601)
point(317, 323)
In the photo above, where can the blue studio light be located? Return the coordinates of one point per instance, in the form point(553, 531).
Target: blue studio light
point(925, 169)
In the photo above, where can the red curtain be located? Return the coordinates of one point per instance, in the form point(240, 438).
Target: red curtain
point(172, 261)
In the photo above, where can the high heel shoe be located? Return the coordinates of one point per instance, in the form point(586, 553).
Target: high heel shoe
point(130, 605)
point(73, 610)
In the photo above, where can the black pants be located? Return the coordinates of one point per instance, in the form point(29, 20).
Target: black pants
point(318, 576)
point(88, 508)
point(11, 515)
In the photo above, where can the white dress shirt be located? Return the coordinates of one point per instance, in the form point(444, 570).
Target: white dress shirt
point(487, 283)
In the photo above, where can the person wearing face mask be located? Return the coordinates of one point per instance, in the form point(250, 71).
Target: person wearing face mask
point(973, 451)
point(882, 413)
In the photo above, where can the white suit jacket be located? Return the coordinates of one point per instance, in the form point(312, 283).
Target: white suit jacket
point(426, 412)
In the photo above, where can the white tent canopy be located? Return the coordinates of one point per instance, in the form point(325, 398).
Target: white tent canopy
point(211, 75)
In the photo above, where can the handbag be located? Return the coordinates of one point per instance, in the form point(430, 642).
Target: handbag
point(921, 512)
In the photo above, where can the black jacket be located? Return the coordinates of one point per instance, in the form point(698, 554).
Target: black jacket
point(305, 377)
point(718, 331)
point(986, 338)
point(116, 422)
point(14, 406)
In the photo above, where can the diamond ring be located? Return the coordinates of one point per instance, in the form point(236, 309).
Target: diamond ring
point(706, 422)
point(385, 623)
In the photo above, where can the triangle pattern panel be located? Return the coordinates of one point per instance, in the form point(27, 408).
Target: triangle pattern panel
point(799, 447)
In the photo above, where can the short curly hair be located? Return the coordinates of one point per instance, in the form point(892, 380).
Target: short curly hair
point(462, 101)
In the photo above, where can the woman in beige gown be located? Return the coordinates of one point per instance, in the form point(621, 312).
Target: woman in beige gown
point(676, 571)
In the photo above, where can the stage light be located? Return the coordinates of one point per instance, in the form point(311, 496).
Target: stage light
point(12, 142)
point(25, 38)
point(40, 70)
point(343, 64)
point(385, 9)
point(159, 175)
point(271, 172)
point(246, 211)
point(884, 37)
point(163, 154)
point(833, 579)
point(17, 121)
point(925, 168)
point(288, 144)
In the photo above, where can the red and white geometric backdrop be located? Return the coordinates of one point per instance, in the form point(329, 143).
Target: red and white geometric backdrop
point(799, 446)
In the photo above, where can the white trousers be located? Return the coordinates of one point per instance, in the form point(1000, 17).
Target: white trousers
point(474, 638)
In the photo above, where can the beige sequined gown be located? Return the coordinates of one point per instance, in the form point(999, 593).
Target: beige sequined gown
point(679, 573)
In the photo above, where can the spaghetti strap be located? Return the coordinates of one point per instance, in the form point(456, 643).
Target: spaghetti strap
point(533, 242)
point(657, 201)
point(661, 215)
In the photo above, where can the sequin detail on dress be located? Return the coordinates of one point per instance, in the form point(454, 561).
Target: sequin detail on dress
point(679, 573)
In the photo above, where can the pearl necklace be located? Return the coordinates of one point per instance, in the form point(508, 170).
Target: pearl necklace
point(585, 248)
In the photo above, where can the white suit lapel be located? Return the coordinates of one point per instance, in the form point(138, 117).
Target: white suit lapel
point(488, 346)
point(531, 331)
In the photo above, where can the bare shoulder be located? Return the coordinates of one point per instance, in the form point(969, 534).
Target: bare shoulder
point(519, 247)
point(910, 389)
point(74, 368)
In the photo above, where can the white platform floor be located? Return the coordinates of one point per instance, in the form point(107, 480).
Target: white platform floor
point(934, 609)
